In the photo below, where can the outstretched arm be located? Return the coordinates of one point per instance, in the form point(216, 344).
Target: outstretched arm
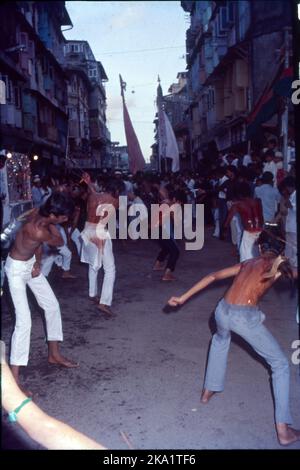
point(87, 179)
point(47, 431)
point(204, 282)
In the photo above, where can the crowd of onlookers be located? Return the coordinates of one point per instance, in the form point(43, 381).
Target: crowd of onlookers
point(217, 186)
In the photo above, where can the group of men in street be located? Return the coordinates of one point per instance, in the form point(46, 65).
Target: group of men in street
point(261, 264)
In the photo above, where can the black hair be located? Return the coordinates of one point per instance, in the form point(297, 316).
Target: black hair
point(267, 177)
point(233, 169)
point(271, 239)
point(243, 189)
point(180, 196)
point(57, 204)
point(114, 186)
point(269, 153)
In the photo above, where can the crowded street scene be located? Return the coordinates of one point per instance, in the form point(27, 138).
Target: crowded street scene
point(149, 262)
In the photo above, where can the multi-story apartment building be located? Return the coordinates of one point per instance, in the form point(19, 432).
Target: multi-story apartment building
point(33, 120)
point(89, 137)
point(234, 52)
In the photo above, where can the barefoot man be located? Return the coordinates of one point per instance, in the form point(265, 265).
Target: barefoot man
point(23, 269)
point(238, 311)
point(97, 243)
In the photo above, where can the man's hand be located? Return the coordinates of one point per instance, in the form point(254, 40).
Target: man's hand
point(36, 270)
point(99, 242)
point(175, 301)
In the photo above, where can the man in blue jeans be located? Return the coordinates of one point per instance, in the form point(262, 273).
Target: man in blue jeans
point(238, 312)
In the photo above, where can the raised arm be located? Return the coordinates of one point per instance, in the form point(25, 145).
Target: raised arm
point(204, 282)
point(49, 235)
point(47, 431)
point(87, 179)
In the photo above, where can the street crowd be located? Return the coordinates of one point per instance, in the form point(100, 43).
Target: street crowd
point(249, 201)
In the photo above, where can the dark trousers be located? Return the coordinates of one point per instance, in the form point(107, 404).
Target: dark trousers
point(170, 250)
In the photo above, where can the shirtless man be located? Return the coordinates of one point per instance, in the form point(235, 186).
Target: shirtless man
point(238, 311)
point(23, 268)
point(250, 211)
point(97, 244)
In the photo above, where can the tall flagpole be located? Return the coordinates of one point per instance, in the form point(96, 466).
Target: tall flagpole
point(159, 113)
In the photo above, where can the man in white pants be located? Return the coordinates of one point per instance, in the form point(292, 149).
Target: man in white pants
point(97, 244)
point(22, 268)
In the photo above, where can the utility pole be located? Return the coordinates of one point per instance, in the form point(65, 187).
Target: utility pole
point(285, 116)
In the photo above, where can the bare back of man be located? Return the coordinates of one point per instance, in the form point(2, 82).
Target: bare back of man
point(251, 282)
point(250, 211)
point(35, 231)
point(26, 251)
point(252, 279)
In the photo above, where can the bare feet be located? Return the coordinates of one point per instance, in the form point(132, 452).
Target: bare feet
point(206, 396)
point(68, 275)
point(95, 299)
point(106, 310)
point(168, 276)
point(287, 435)
point(158, 266)
point(62, 361)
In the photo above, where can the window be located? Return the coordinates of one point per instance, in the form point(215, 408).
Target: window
point(222, 20)
point(75, 47)
point(17, 97)
point(44, 64)
point(92, 73)
point(30, 67)
point(24, 39)
point(8, 87)
point(230, 12)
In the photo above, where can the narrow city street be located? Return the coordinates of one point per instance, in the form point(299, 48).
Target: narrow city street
point(141, 373)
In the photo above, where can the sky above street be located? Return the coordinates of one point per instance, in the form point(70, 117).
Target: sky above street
point(139, 40)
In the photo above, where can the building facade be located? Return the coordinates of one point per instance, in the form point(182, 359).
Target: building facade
point(234, 53)
point(33, 119)
point(89, 138)
point(176, 104)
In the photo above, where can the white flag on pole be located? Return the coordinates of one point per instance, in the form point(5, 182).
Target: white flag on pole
point(171, 150)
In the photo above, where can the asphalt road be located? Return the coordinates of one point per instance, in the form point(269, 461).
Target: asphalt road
point(142, 372)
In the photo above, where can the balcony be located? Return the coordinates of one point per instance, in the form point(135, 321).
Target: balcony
point(98, 131)
point(52, 133)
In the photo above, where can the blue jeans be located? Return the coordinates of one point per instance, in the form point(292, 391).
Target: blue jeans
point(247, 322)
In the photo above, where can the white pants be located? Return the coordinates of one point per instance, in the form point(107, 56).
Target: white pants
point(217, 224)
point(291, 248)
point(62, 259)
point(19, 276)
point(76, 239)
point(96, 259)
point(248, 249)
point(236, 228)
